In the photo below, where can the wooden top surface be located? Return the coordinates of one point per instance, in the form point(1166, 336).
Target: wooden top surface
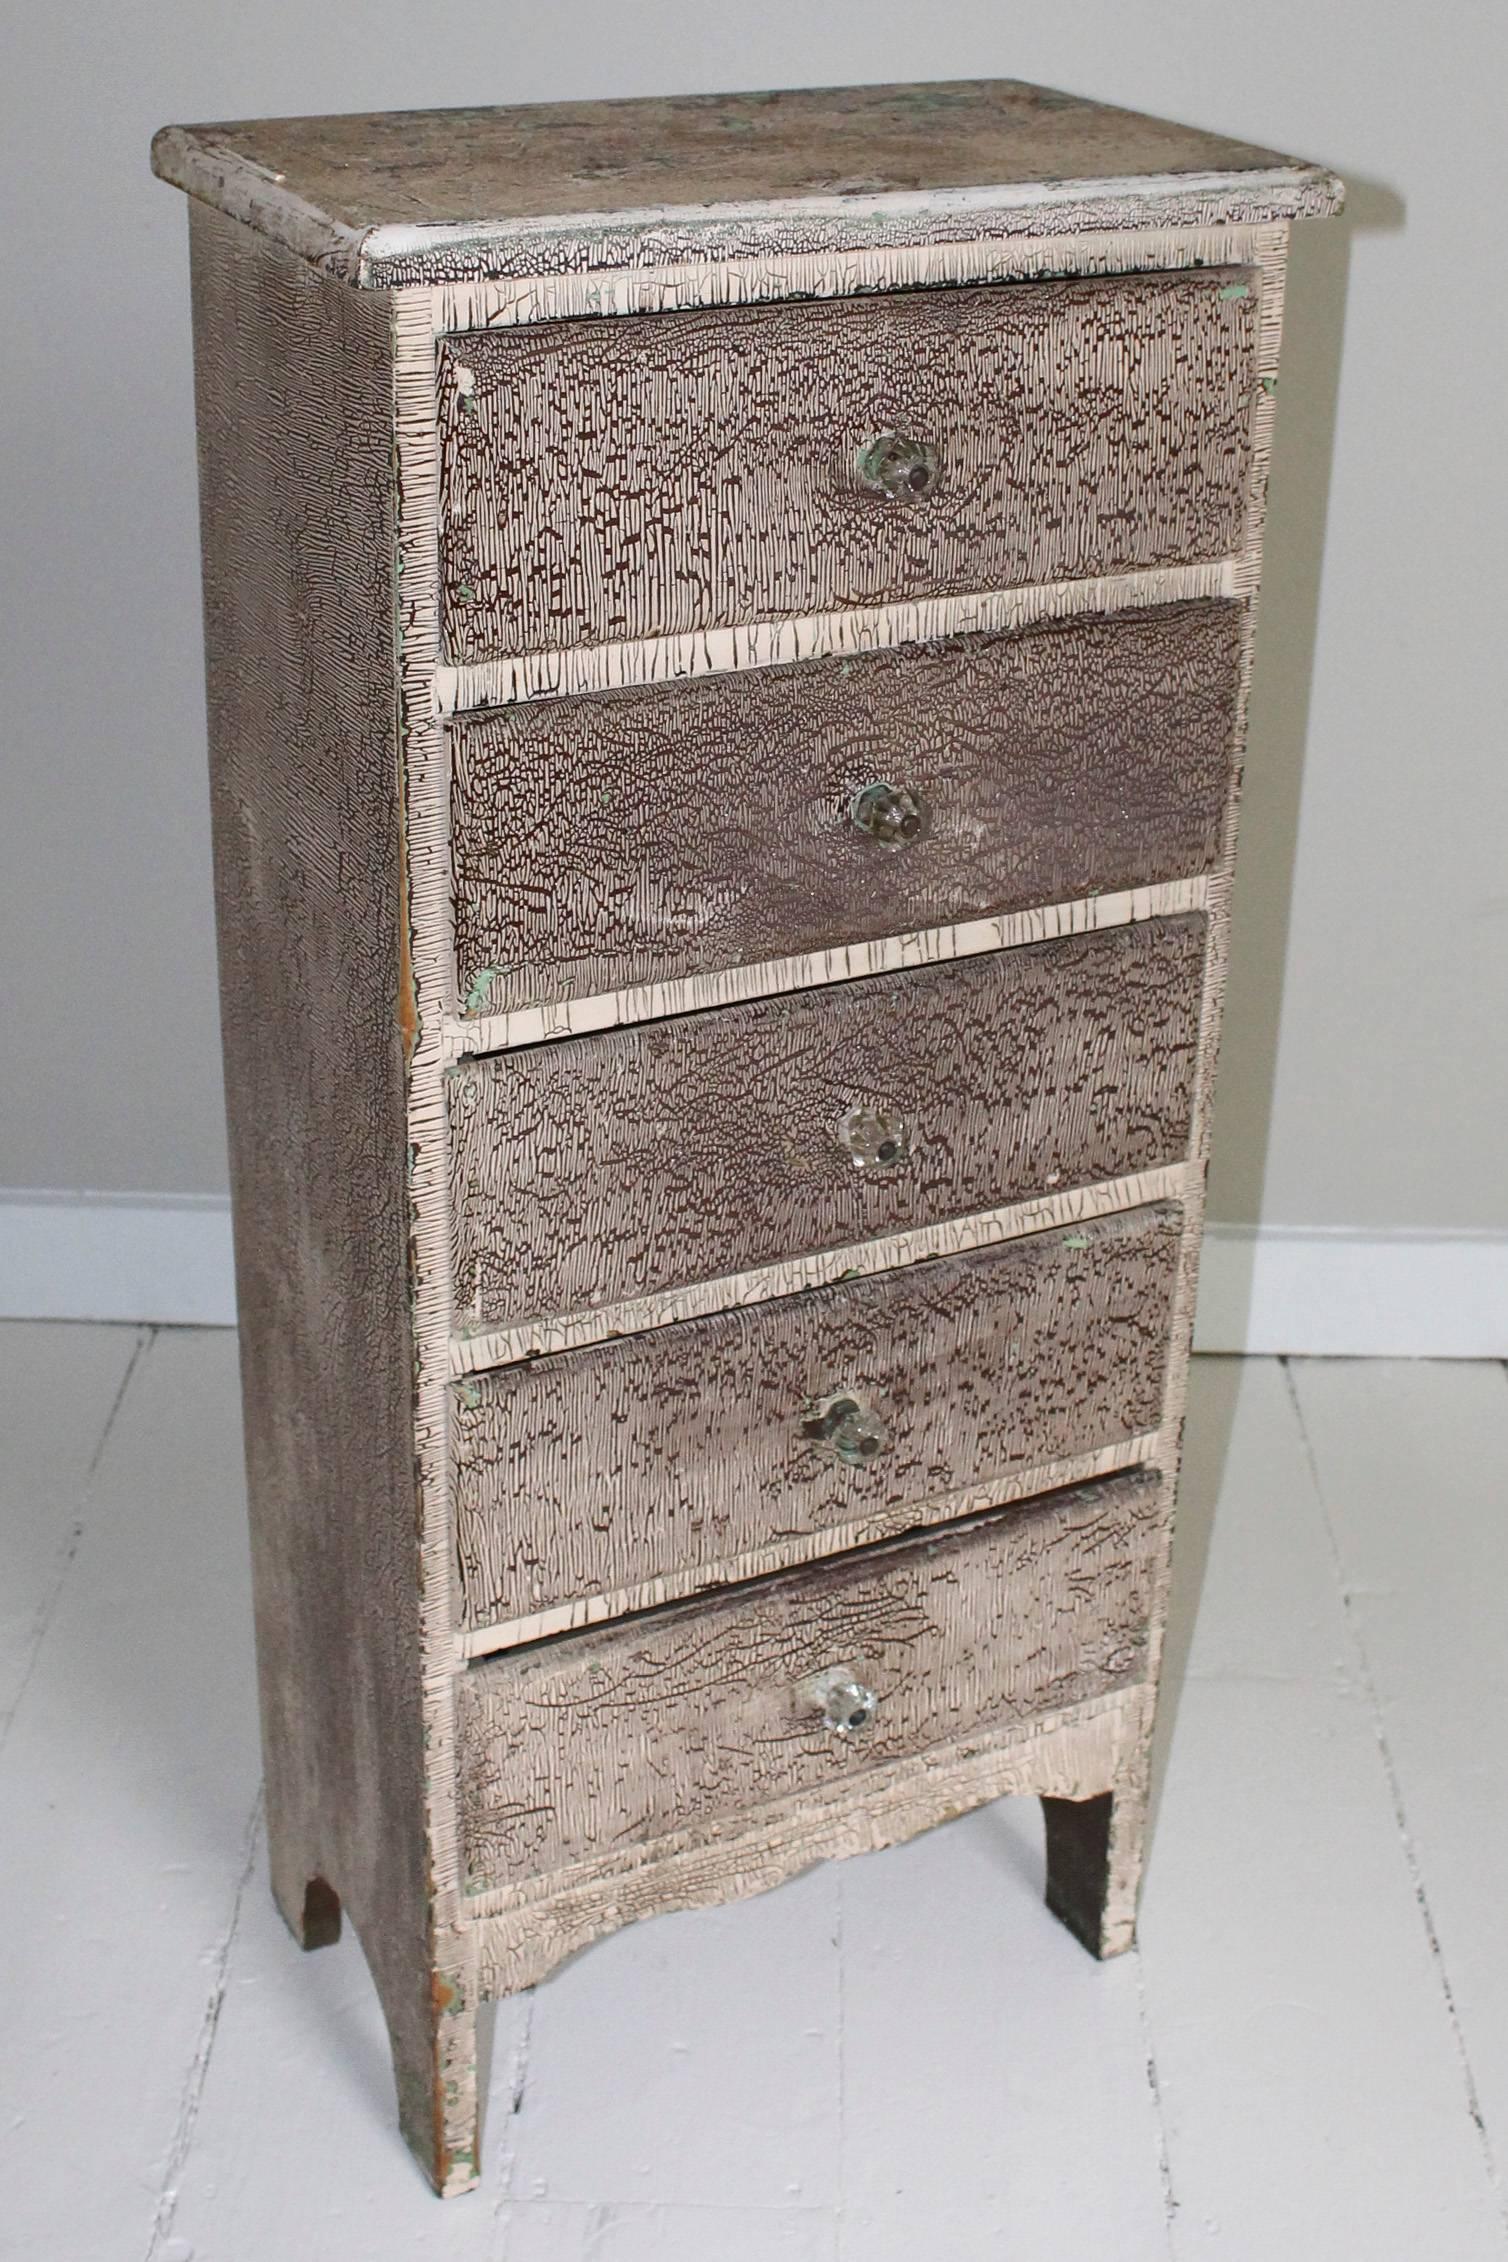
point(436, 195)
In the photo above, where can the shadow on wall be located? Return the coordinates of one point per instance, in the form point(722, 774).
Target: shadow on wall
point(1298, 505)
point(1277, 728)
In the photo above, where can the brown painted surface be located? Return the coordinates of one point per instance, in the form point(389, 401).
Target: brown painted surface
point(612, 1739)
point(602, 1167)
point(689, 1447)
point(640, 835)
point(646, 476)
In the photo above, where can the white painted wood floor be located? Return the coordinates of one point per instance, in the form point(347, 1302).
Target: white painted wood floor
point(889, 2060)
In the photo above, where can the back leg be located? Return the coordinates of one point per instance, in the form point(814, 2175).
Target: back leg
point(1095, 1849)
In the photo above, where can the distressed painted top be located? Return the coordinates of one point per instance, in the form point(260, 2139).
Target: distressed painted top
point(421, 196)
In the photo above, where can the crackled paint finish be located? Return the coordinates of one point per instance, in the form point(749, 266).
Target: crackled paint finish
point(612, 480)
point(414, 197)
point(1048, 1052)
point(681, 1457)
point(712, 824)
point(707, 1710)
point(596, 1171)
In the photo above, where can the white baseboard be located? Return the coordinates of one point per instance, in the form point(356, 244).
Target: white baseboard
point(1322, 1292)
point(158, 1257)
point(1329, 1292)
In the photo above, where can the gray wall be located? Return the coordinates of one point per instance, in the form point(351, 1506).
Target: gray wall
point(1364, 1072)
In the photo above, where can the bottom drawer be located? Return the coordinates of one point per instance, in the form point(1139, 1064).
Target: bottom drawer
point(602, 1741)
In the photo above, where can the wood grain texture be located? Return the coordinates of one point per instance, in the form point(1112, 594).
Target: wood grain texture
point(666, 831)
point(611, 1739)
point(677, 1455)
point(599, 1169)
point(295, 424)
point(604, 480)
point(409, 196)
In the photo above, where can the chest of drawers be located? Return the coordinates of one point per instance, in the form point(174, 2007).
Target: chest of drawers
point(727, 627)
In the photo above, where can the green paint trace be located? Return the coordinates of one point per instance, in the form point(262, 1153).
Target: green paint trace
point(481, 988)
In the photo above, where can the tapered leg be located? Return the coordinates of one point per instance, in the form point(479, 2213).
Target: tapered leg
point(430, 2007)
point(432, 2026)
point(1095, 1849)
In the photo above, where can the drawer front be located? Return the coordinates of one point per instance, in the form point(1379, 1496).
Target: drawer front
point(648, 834)
point(610, 1740)
point(598, 1169)
point(715, 1448)
point(650, 474)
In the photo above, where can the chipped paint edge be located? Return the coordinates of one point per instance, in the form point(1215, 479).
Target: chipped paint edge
point(468, 1035)
point(465, 687)
point(677, 285)
point(809, 1547)
point(531, 1339)
point(426, 896)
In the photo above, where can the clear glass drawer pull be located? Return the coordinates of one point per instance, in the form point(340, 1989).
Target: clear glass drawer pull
point(890, 814)
point(843, 1700)
point(899, 467)
point(854, 1433)
point(875, 1138)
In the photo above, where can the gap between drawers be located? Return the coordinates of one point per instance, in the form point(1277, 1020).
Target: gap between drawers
point(795, 1551)
point(530, 1339)
point(463, 1037)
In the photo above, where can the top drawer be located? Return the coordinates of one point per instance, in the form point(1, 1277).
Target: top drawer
point(643, 475)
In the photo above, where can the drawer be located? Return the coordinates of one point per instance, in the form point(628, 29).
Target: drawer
point(601, 1480)
point(598, 1169)
point(718, 821)
point(606, 1741)
point(647, 475)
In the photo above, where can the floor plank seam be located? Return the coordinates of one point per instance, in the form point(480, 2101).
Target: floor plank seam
point(1367, 1684)
point(145, 1339)
point(47, 1609)
point(1159, 2112)
point(193, 2087)
point(507, 2163)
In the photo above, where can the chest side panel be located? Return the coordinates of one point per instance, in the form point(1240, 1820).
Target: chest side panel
point(294, 399)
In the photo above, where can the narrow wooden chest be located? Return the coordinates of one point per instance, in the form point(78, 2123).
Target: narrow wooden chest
point(727, 624)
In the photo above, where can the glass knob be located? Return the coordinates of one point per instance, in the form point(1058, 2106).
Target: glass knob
point(854, 1434)
point(896, 466)
point(875, 1138)
point(891, 814)
point(844, 1702)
